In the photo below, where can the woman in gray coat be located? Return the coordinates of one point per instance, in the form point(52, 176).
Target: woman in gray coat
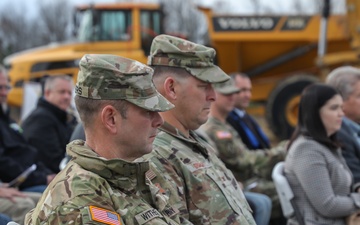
point(314, 166)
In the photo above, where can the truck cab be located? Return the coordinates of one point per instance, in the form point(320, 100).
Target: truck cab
point(125, 29)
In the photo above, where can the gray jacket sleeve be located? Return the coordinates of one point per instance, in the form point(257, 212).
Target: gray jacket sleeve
point(317, 171)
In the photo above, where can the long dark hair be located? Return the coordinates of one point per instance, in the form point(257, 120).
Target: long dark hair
point(310, 124)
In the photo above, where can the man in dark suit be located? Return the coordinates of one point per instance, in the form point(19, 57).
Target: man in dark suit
point(248, 129)
point(346, 80)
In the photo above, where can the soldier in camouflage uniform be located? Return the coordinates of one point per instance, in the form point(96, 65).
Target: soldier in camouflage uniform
point(225, 98)
point(251, 167)
point(102, 184)
point(183, 73)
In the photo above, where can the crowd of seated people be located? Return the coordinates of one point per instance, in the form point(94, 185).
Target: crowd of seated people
point(24, 172)
point(318, 175)
point(322, 162)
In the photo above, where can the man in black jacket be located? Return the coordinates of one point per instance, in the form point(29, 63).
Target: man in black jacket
point(48, 127)
point(16, 155)
point(346, 80)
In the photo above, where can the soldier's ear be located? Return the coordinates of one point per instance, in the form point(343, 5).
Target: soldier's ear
point(110, 118)
point(170, 88)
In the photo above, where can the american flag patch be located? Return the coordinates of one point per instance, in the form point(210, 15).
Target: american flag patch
point(198, 165)
point(223, 134)
point(150, 174)
point(104, 216)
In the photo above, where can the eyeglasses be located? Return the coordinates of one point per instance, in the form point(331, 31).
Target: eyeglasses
point(5, 87)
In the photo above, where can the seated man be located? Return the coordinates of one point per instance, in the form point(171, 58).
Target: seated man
point(346, 80)
point(47, 127)
point(252, 168)
point(183, 73)
point(248, 129)
point(103, 184)
point(16, 155)
point(16, 204)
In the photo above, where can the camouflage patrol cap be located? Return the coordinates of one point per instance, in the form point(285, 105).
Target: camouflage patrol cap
point(228, 87)
point(111, 77)
point(196, 59)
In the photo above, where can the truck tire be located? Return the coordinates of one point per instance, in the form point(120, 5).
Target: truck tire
point(283, 103)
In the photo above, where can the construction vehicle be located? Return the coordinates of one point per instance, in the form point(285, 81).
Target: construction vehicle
point(125, 29)
point(279, 53)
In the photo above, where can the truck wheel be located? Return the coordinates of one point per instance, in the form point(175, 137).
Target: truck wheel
point(283, 104)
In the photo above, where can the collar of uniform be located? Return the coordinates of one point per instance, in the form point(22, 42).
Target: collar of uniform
point(128, 175)
point(168, 128)
point(213, 120)
point(194, 139)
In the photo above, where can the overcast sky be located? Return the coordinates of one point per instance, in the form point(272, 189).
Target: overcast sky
point(232, 6)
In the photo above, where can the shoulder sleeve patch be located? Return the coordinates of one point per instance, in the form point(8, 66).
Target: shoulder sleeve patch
point(150, 174)
point(104, 216)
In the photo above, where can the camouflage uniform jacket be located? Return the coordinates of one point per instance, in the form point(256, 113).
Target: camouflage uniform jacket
point(211, 192)
point(90, 187)
point(245, 164)
point(253, 168)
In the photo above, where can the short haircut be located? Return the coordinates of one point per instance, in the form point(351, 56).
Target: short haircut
point(343, 80)
point(50, 80)
point(162, 72)
point(88, 108)
point(310, 124)
point(235, 74)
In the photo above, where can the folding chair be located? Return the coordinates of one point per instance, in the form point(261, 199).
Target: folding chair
point(285, 193)
point(12, 223)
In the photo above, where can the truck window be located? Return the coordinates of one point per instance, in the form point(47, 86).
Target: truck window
point(104, 25)
point(150, 27)
point(85, 27)
point(114, 24)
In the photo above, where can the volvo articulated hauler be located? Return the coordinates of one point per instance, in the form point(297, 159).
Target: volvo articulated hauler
point(279, 53)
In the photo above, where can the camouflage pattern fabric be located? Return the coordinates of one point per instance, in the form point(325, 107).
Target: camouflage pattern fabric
point(252, 168)
point(197, 59)
point(227, 87)
point(123, 191)
point(110, 77)
point(211, 192)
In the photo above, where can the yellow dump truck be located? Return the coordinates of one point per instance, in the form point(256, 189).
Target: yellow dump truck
point(279, 53)
point(125, 29)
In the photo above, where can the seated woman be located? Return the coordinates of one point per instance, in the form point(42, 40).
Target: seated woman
point(314, 166)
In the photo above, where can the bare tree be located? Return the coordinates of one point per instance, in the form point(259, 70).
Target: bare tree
point(55, 17)
point(184, 18)
point(336, 6)
point(257, 6)
point(298, 7)
point(17, 31)
point(220, 7)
